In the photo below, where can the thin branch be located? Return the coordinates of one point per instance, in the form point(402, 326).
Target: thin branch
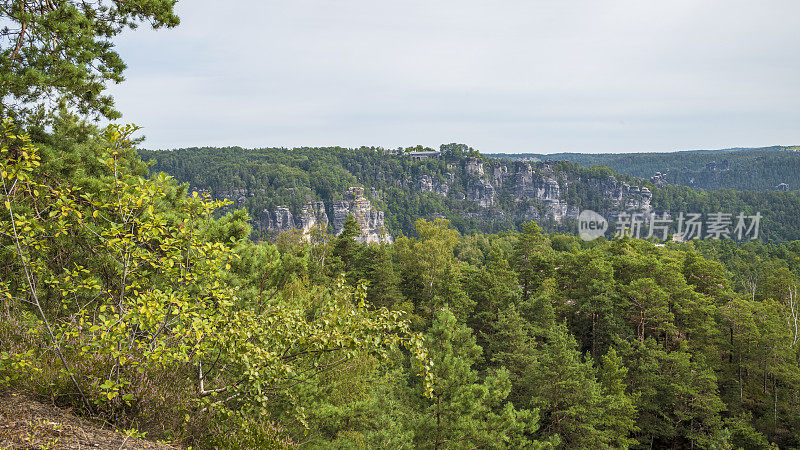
point(20, 39)
point(32, 287)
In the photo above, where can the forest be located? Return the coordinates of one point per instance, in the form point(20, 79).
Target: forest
point(745, 169)
point(138, 305)
point(291, 177)
point(141, 303)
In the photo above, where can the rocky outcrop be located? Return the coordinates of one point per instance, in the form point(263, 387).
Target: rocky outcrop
point(314, 214)
point(621, 195)
point(659, 179)
point(482, 193)
point(539, 189)
point(281, 219)
point(427, 184)
point(474, 167)
point(238, 196)
point(538, 182)
point(371, 221)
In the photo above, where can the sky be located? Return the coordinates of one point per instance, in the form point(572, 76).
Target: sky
point(503, 76)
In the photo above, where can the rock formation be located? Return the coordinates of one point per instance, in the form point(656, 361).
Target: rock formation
point(313, 215)
point(536, 182)
point(371, 221)
point(279, 220)
point(537, 188)
point(427, 184)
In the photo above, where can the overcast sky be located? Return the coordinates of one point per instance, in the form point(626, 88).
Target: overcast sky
point(539, 76)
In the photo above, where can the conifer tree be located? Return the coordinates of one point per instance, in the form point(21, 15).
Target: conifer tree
point(566, 392)
point(431, 275)
point(464, 410)
point(383, 289)
point(619, 407)
point(62, 50)
point(345, 248)
point(532, 258)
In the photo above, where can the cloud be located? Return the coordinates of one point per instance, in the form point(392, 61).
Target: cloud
point(511, 76)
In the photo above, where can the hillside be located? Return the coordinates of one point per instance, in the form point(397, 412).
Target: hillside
point(28, 423)
point(762, 169)
point(387, 191)
point(304, 186)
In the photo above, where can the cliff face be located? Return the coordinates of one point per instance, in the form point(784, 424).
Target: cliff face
point(427, 184)
point(539, 183)
point(314, 214)
point(279, 220)
point(371, 221)
point(538, 191)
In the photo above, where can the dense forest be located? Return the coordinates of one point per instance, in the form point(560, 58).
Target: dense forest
point(292, 177)
point(747, 169)
point(173, 322)
point(143, 304)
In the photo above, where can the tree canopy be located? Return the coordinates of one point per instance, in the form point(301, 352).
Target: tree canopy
point(60, 52)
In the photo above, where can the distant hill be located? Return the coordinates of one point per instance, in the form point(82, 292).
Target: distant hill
point(305, 187)
point(295, 188)
point(761, 169)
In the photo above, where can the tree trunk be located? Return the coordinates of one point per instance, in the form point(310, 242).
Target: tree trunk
point(438, 422)
point(594, 335)
point(774, 405)
point(741, 387)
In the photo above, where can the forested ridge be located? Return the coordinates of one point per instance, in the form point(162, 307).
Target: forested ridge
point(746, 169)
point(292, 177)
point(278, 176)
point(139, 302)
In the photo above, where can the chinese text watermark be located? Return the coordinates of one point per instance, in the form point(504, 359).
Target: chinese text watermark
point(684, 227)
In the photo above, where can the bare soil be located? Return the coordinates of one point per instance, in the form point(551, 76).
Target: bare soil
point(26, 423)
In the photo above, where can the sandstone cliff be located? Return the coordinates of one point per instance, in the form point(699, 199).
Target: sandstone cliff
point(371, 221)
point(314, 214)
point(538, 184)
point(541, 191)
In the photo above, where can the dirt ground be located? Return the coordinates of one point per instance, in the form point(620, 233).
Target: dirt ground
point(29, 424)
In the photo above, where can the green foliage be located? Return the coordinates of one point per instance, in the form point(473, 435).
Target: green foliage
point(465, 411)
point(263, 179)
point(779, 209)
point(759, 169)
point(432, 275)
point(573, 403)
point(619, 406)
point(62, 50)
point(145, 305)
point(613, 344)
point(345, 248)
point(158, 292)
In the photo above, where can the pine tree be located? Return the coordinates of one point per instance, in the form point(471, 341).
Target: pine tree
point(465, 410)
point(383, 289)
point(345, 248)
point(431, 275)
point(586, 279)
point(533, 258)
point(566, 392)
point(679, 402)
point(619, 407)
point(61, 50)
